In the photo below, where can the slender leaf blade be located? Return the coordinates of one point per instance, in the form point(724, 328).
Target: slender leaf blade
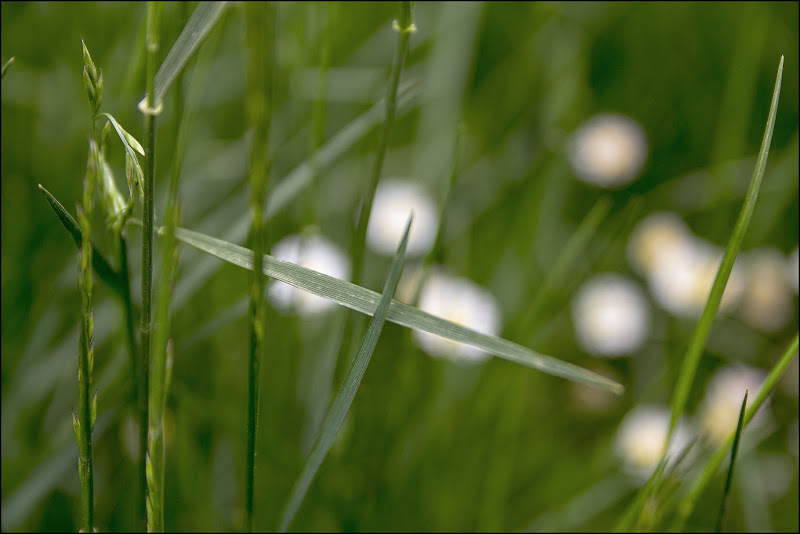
point(344, 399)
point(194, 33)
point(698, 341)
point(366, 301)
point(723, 507)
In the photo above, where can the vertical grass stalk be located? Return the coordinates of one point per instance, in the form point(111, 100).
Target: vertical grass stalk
point(152, 374)
point(260, 38)
point(83, 422)
point(404, 26)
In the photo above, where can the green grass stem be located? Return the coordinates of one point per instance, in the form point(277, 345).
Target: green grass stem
point(151, 373)
point(260, 38)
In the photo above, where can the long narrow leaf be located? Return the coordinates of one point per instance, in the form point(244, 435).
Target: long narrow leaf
point(194, 33)
point(366, 301)
point(700, 335)
point(344, 399)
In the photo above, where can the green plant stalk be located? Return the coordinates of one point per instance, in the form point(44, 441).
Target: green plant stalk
point(84, 422)
point(723, 506)
point(151, 374)
point(686, 505)
point(404, 27)
point(698, 341)
point(260, 37)
point(320, 109)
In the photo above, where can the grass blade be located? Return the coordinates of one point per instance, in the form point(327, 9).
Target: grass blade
point(194, 33)
point(726, 492)
point(344, 399)
point(366, 301)
point(700, 335)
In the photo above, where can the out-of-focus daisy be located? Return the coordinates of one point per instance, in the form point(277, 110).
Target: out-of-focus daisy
point(642, 436)
point(608, 150)
point(719, 411)
point(682, 280)
point(767, 300)
point(793, 269)
point(461, 301)
point(394, 201)
point(655, 238)
point(314, 252)
point(611, 316)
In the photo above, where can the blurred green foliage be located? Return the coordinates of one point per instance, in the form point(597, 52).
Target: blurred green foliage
point(428, 445)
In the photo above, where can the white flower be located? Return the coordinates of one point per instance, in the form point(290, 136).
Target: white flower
point(608, 150)
point(655, 239)
point(767, 301)
point(681, 281)
point(314, 252)
point(719, 411)
point(641, 439)
point(394, 201)
point(611, 316)
point(461, 301)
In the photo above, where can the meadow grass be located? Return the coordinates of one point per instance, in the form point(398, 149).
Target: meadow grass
point(415, 443)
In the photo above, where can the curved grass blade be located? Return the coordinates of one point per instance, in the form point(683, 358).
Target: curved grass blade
point(194, 33)
point(366, 301)
point(698, 342)
point(344, 399)
point(686, 505)
point(723, 508)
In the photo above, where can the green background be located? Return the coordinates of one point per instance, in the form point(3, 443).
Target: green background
point(428, 445)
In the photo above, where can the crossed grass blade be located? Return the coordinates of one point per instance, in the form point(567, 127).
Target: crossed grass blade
point(366, 301)
point(344, 399)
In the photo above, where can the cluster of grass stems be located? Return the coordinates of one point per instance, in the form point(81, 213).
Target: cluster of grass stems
point(151, 356)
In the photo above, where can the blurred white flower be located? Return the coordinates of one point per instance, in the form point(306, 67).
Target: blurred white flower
point(608, 150)
point(314, 252)
point(611, 316)
point(394, 201)
point(655, 239)
point(719, 411)
point(461, 301)
point(641, 439)
point(793, 269)
point(682, 280)
point(767, 299)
